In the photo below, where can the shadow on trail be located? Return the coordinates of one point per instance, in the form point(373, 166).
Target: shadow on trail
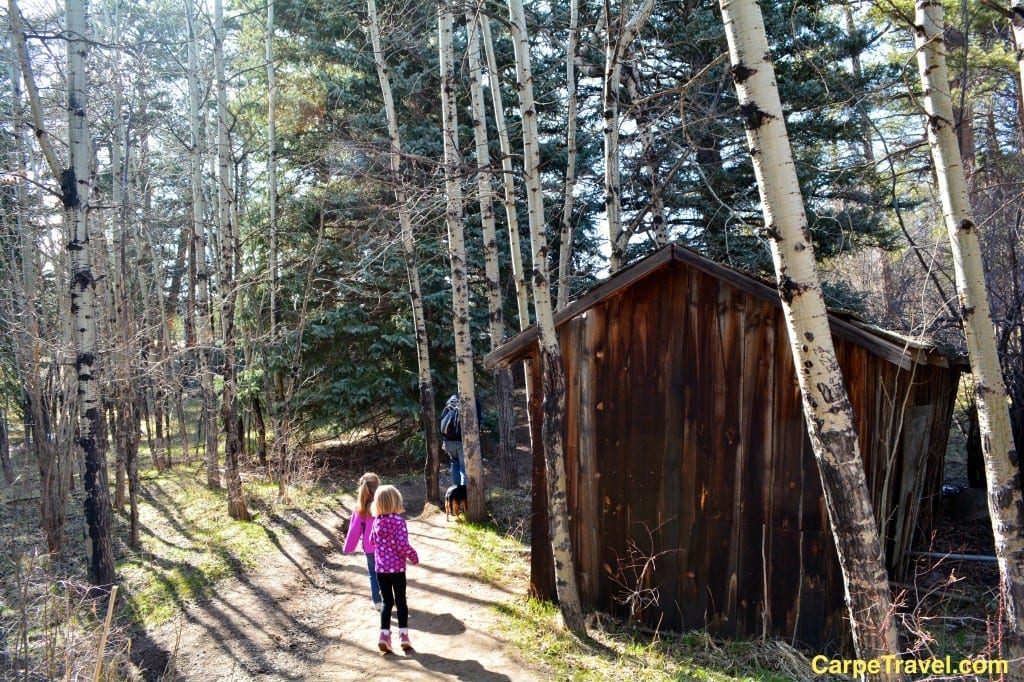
point(248, 620)
point(440, 624)
point(459, 669)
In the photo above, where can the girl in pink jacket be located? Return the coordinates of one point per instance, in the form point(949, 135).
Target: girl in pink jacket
point(390, 537)
point(359, 527)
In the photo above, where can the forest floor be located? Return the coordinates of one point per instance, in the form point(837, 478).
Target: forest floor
point(306, 614)
point(302, 611)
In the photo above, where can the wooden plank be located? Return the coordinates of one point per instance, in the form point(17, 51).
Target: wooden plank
point(645, 432)
point(673, 362)
point(915, 447)
point(786, 495)
point(712, 470)
point(730, 453)
point(588, 508)
point(692, 594)
point(755, 435)
point(611, 413)
point(573, 359)
point(542, 562)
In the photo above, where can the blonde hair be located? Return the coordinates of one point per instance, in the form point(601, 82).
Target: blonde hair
point(387, 500)
point(368, 483)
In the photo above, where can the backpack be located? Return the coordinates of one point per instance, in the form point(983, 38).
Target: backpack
point(451, 428)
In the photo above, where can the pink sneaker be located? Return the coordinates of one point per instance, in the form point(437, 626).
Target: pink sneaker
point(403, 638)
point(384, 643)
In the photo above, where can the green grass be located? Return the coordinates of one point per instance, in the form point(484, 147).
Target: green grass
point(613, 651)
point(188, 543)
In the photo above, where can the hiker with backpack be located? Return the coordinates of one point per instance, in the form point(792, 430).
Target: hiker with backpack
point(451, 439)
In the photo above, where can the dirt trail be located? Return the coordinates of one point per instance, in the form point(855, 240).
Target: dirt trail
point(305, 614)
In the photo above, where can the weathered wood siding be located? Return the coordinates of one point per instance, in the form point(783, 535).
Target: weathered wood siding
point(686, 442)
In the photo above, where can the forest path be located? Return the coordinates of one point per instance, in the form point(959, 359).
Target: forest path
point(305, 613)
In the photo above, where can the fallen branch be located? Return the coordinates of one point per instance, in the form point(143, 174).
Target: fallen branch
point(958, 557)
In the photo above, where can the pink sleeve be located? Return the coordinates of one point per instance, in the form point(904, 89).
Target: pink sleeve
point(355, 531)
point(409, 552)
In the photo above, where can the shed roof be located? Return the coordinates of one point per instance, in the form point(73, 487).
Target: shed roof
point(897, 348)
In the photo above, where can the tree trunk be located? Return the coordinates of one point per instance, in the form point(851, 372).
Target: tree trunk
point(460, 277)
point(30, 353)
point(1016, 13)
point(426, 384)
point(511, 475)
point(76, 186)
point(261, 431)
point(826, 404)
point(5, 450)
point(229, 269)
point(496, 318)
point(553, 371)
point(1004, 495)
point(619, 35)
point(565, 231)
point(208, 420)
point(645, 131)
point(279, 423)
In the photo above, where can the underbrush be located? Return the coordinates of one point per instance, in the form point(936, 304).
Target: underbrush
point(188, 543)
point(52, 627)
point(612, 650)
point(52, 624)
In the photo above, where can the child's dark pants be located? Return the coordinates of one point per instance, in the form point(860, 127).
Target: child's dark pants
point(392, 589)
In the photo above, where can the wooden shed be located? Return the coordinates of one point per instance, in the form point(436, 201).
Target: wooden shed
point(686, 443)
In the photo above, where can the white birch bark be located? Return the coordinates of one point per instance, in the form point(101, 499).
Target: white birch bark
point(125, 325)
point(620, 33)
point(826, 405)
point(229, 269)
point(426, 383)
point(485, 198)
point(52, 454)
point(199, 246)
point(1004, 495)
point(454, 217)
point(565, 227)
point(645, 131)
point(280, 420)
point(507, 182)
point(552, 368)
point(1017, 25)
point(511, 213)
point(76, 189)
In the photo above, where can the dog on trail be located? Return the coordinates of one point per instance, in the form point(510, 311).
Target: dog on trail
point(454, 501)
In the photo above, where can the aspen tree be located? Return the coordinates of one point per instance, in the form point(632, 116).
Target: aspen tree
point(280, 420)
point(199, 255)
point(485, 197)
point(1000, 456)
point(454, 218)
point(229, 269)
point(642, 115)
point(565, 231)
point(75, 193)
point(552, 367)
point(826, 404)
point(507, 180)
point(123, 329)
point(620, 32)
point(426, 383)
point(51, 453)
point(76, 189)
point(509, 473)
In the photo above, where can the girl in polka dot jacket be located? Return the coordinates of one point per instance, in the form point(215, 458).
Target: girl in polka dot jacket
point(390, 537)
